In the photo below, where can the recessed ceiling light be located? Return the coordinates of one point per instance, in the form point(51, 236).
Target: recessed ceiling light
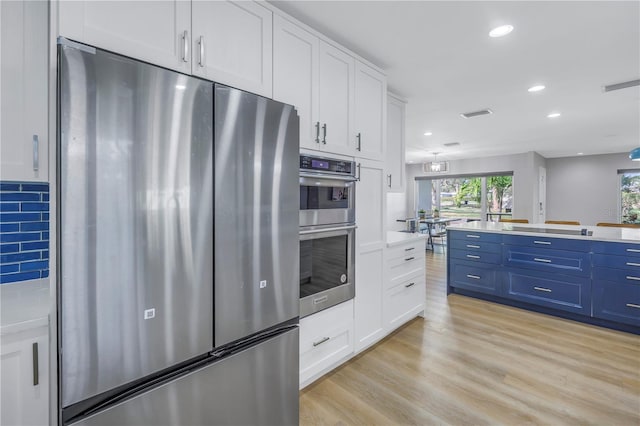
point(537, 88)
point(501, 31)
point(428, 133)
point(410, 161)
point(581, 153)
point(554, 115)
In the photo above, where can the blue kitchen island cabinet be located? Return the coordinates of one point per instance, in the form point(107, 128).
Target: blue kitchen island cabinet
point(552, 269)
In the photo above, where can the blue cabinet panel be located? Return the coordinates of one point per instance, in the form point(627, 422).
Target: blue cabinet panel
point(620, 249)
point(475, 236)
point(475, 256)
point(616, 302)
point(620, 262)
point(474, 276)
point(562, 261)
point(616, 275)
point(567, 293)
point(476, 246)
point(548, 243)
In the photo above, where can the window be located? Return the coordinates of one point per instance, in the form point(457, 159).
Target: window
point(630, 196)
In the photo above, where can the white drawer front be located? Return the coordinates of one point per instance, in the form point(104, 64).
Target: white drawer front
point(406, 250)
point(404, 301)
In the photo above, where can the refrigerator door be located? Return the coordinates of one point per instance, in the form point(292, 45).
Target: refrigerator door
point(136, 220)
point(256, 214)
point(258, 386)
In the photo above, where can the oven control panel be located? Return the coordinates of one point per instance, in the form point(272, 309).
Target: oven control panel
point(326, 165)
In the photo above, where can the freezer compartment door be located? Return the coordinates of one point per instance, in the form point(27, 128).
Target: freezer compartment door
point(256, 214)
point(256, 386)
point(136, 220)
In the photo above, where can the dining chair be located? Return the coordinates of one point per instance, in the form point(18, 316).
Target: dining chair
point(562, 222)
point(619, 225)
point(514, 220)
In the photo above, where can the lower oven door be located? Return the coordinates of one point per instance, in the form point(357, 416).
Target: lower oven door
point(327, 257)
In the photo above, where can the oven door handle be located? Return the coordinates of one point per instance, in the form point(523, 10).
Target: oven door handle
point(347, 178)
point(322, 230)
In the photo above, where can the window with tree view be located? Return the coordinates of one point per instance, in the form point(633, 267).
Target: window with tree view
point(630, 196)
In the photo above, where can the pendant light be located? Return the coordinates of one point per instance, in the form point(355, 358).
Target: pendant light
point(635, 154)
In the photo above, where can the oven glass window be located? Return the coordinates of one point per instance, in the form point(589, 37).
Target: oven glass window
point(323, 197)
point(323, 264)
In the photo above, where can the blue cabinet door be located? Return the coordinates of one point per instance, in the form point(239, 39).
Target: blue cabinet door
point(480, 277)
point(616, 301)
point(474, 236)
point(548, 243)
point(619, 249)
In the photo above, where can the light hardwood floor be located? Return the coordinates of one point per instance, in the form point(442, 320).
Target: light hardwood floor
point(476, 362)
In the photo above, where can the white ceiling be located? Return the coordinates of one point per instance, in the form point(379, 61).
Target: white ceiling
point(437, 55)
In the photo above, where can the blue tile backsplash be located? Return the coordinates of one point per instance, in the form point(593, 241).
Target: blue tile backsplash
point(24, 231)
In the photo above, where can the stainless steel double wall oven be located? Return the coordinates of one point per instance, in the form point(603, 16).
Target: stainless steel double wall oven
point(327, 232)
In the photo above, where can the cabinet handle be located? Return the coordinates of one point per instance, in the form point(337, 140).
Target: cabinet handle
point(324, 133)
point(472, 246)
point(317, 132)
point(321, 341)
point(546, 243)
point(36, 156)
point(185, 46)
point(537, 259)
point(475, 277)
point(36, 373)
point(409, 285)
point(409, 258)
point(201, 45)
point(389, 179)
point(546, 290)
point(409, 249)
point(472, 236)
point(633, 250)
point(359, 171)
point(633, 305)
point(473, 256)
point(633, 278)
point(359, 137)
point(633, 264)
point(320, 300)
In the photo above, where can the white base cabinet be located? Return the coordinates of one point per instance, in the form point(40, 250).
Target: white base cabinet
point(369, 324)
point(24, 363)
point(326, 340)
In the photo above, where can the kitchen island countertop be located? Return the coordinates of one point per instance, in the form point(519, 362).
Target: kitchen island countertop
point(395, 238)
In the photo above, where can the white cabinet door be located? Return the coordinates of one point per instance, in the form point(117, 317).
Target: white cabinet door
point(370, 112)
point(336, 97)
point(370, 206)
point(233, 44)
point(24, 77)
point(395, 144)
point(295, 76)
point(369, 325)
point(156, 31)
point(24, 392)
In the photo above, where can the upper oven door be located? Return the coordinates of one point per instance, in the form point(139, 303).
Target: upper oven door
point(326, 201)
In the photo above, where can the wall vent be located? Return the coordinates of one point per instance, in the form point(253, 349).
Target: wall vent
point(476, 113)
point(619, 86)
point(452, 144)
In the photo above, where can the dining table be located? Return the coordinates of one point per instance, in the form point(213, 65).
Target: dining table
point(432, 223)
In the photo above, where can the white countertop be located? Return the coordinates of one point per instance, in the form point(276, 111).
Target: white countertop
point(24, 305)
point(600, 233)
point(395, 238)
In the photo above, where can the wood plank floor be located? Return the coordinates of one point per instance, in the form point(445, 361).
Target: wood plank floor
point(476, 362)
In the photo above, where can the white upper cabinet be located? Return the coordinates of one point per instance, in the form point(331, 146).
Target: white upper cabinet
point(233, 43)
point(370, 106)
point(295, 76)
point(395, 144)
point(24, 76)
point(336, 99)
point(157, 31)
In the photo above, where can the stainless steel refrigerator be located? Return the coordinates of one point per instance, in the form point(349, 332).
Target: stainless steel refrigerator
point(178, 248)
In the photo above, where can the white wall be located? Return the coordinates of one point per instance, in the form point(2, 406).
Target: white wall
point(525, 178)
point(585, 188)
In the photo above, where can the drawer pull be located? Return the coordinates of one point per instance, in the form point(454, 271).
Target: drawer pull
point(472, 246)
point(633, 250)
point(321, 341)
point(36, 371)
point(629, 277)
point(633, 264)
point(409, 285)
point(546, 243)
point(320, 300)
point(472, 236)
point(473, 256)
point(537, 259)
point(475, 277)
point(409, 258)
point(409, 249)
point(546, 290)
point(633, 305)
